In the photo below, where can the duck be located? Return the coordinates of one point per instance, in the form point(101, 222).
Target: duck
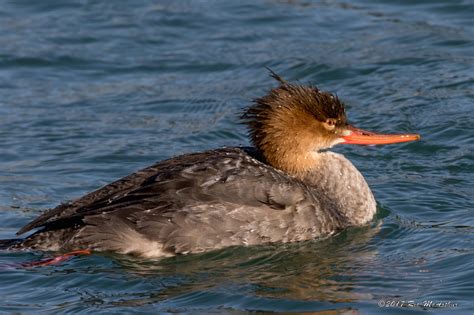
point(287, 187)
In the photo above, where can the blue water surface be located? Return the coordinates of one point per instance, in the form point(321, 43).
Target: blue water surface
point(94, 90)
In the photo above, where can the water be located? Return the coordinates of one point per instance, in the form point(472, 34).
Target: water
point(92, 91)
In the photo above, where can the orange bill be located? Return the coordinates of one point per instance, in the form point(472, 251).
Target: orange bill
point(360, 136)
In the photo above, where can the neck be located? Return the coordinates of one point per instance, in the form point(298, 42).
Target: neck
point(293, 162)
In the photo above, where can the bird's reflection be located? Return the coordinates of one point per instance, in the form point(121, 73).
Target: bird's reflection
point(326, 271)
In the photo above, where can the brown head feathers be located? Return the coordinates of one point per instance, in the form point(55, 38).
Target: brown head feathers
point(290, 118)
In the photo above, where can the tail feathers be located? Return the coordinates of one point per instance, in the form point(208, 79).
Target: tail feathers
point(9, 243)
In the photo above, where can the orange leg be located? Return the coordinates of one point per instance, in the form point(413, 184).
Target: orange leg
point(58, 259)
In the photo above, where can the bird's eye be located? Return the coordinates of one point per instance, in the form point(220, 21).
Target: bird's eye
point(330, 123)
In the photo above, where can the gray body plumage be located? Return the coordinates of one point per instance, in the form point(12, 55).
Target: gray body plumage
point(205, 201)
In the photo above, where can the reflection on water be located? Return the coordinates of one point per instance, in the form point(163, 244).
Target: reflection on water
point(325, 271)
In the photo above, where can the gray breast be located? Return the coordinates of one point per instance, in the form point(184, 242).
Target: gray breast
point(342, 183)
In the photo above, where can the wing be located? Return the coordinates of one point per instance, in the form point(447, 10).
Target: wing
point(177, 181)
point(194, 203)
point(116, 192)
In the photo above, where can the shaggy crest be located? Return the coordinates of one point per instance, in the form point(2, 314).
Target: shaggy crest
point(288, 97)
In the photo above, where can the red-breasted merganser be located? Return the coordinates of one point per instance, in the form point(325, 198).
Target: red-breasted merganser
point(287, 188)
